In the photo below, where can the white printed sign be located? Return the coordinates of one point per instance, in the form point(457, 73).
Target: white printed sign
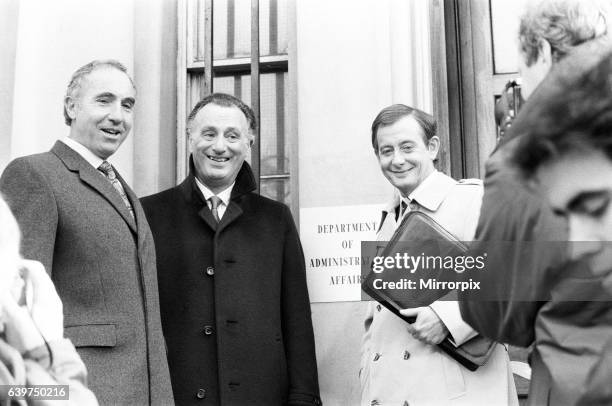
point(331, 237)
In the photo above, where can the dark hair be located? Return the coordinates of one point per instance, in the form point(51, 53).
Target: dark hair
point(225, 100)
point(563, 24)
point(392, 114)
point(77, 79)
point(574, 116)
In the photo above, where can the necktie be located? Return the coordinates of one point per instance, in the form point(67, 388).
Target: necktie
point(401, 209)
point(108, 171)
point(215, 201)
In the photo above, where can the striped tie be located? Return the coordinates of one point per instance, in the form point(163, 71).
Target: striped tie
point(214, 207)
point(108, 171)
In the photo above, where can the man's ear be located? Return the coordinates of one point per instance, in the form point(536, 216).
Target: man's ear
point(70, 104)
point(433, 146)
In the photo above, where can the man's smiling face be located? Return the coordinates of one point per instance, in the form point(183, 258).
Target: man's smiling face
point(404, 157)
point(220, 140)
point(102, 110)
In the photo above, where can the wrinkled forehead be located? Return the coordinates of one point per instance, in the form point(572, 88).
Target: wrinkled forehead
point(406, 129)
point(107, 79)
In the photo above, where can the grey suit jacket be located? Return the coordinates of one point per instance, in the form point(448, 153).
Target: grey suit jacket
point(103, 265)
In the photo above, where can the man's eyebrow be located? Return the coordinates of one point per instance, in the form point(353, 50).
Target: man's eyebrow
point(107, 95)
point(580, 198)
point(207, 128)
point(233, 129)
point(130, 100)
point(559, 212)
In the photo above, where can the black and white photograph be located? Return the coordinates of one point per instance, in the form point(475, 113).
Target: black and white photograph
point(306, 202)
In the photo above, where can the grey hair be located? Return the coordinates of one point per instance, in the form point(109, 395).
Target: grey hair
point(563, 24)
point(77, 79)
point(225, 100)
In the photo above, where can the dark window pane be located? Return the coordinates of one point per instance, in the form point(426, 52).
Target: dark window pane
point(277, 189)
point(232, 28)
point(274, 146)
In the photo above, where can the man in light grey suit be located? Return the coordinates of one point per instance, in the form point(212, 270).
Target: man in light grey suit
point(84, 223)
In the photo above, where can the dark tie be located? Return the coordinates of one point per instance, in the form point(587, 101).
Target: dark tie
point(400, 210)
point(215, 201)
point(108, 171)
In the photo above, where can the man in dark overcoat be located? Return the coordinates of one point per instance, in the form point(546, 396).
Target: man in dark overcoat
point(234, 301)
point(84, 223)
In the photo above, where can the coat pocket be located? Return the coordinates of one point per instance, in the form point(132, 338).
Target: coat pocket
point(92, 335)
point(453, 375)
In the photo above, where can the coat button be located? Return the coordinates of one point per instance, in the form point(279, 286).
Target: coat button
point(208, 330)
point(201, 393)
point(376, 357)
point(210, 271)
point(406, 355)
point(378, 307)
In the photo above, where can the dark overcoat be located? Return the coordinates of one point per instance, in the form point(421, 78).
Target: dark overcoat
point(234, 302)
point(102, 263)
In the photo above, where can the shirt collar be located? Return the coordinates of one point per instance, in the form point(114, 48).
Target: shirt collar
point(432, 191)
point(429, 194)
point(224, 195)
point(82, 150)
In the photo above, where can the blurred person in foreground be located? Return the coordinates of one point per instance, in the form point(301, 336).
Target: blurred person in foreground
point(400, 362)
point(532, 285)
point(33, 350)
point(567, 156)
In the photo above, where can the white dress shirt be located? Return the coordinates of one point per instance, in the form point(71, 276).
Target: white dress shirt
point(224, 196)
point(82, 150)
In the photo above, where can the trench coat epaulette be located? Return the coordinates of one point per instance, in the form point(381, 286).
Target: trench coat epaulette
point(470, 182)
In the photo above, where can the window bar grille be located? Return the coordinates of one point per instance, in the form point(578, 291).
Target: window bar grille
point(255, 150)
point(207, 86)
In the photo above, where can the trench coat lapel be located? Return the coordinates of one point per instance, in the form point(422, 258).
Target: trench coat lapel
point(89, 175)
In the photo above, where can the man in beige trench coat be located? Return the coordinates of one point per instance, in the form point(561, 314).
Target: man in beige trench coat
point(401, 364)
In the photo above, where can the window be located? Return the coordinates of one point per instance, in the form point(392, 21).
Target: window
point(221, 34)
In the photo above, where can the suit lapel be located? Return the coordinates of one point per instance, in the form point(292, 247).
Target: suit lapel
point(89, 175)
point(207, 216)
point(232, 212)
point(138, 212)
point(245, 183)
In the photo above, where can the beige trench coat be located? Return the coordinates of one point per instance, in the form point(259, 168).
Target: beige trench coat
point(397, 369)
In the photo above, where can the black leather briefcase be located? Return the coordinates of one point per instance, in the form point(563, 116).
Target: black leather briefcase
point(426, 237)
